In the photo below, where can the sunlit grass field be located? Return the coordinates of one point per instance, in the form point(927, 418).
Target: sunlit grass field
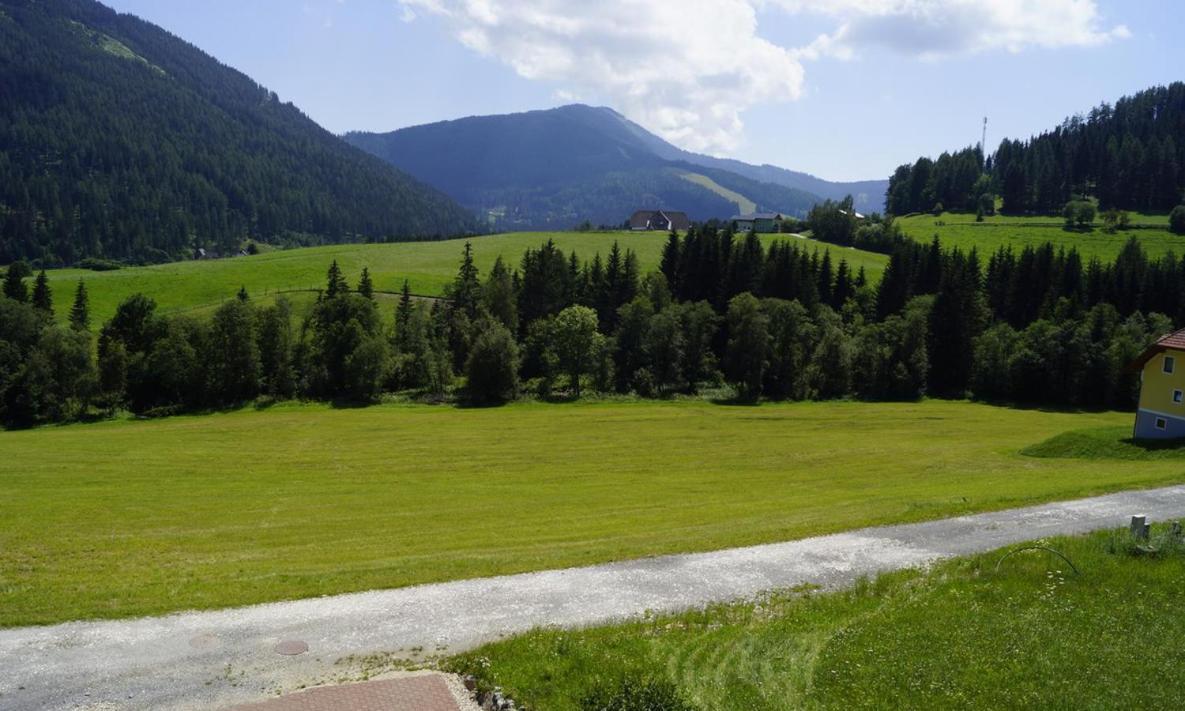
point(961, 230)
point(198, 286)
point(1031, 634)
point(123, 518)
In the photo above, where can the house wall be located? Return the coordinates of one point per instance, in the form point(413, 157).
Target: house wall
point(1146, 426)
point(1156, 386)
point(1156, 397)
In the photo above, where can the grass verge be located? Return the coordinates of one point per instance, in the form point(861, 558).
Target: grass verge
point(962, 635)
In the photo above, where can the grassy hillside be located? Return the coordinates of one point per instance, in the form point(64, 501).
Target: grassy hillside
point(961, 230)
point(136, 517)
point(429, 266)
point(963, 635)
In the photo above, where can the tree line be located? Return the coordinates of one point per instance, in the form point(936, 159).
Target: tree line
point(1129, 156)
point(723, 312)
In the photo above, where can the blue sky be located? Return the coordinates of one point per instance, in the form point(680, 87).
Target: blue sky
point(843, 89)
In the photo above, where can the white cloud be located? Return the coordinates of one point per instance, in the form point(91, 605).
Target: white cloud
point(684, 69)
point(934, 28)
point(688, 69)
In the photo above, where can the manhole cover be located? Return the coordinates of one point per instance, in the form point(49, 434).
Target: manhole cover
point(292, 647)
point(203, 641)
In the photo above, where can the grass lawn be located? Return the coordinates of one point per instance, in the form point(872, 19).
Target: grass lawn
point(124, 518)
point(963, 635)
point(197, 287)
point(961, 230)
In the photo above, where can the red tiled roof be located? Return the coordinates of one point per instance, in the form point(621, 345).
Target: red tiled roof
point(1174, 341)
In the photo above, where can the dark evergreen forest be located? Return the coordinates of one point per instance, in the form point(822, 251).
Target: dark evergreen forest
point(1130, 156)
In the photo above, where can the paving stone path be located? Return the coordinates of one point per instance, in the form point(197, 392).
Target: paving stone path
point(428, 692)
point(212, 659)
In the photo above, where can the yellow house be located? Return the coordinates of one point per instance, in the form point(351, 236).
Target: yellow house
point(1161, 414)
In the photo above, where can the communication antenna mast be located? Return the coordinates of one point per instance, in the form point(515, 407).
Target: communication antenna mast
point(983, 140)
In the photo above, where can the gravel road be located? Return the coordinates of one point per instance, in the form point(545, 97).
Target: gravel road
point(211, 659)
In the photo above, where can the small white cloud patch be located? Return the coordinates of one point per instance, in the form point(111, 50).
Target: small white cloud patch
point(933, 28)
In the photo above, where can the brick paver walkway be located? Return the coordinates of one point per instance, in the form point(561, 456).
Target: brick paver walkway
point(411, 693)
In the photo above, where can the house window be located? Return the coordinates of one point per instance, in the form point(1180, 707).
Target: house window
point(1168, 364)
point(1177, 394)
point(1161, 423)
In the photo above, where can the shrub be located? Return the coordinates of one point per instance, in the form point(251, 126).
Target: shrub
point(492, 367)
point(1079, 213)
point(1115, 220)
point(987, 204)
point(367, 368)
point(96, 264)
point(635, 695)
point(1177, 220)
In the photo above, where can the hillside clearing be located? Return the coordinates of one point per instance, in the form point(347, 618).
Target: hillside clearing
point(744, 204)
point(428, 267)
point(129, 518)
point(961, 230)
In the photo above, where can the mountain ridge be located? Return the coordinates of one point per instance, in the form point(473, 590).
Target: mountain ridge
point(523, 169)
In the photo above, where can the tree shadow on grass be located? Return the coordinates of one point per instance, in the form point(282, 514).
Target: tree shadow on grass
point(735, 401)
point(349, 404)
point(1156, 445)
point(1036, 407)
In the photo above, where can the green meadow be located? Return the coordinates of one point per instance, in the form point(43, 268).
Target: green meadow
point(127, 517)
point(961, 230)
point(1030, 634)
point(198, 286)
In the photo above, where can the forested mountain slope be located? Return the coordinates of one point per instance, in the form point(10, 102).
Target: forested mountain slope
point(119, 140)
point(1130, 156)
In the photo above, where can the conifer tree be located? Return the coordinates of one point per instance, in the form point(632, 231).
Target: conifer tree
point(403, 315)
point(42, 295)
point(825, 278)
point(843, 289)
point(466, 290)
point(335, 283)
point(243, 295)
point(669, 266)
point(956, 320)
point(14, 285)
point(861, 278)
point(80, 317)
point(499, 296)
point(365, 285)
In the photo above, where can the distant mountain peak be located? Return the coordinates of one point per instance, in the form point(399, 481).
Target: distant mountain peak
point(557, 167)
